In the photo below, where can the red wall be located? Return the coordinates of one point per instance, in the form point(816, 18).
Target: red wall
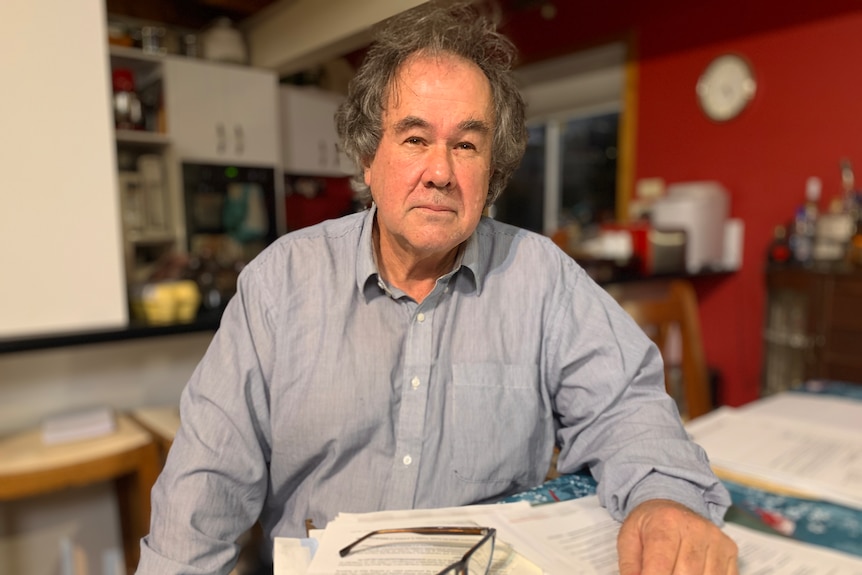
point(806, 116)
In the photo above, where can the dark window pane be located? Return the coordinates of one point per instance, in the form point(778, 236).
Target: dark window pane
point(589, 165)
point(523, 201)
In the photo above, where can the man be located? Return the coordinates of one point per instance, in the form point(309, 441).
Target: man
point(420, 355)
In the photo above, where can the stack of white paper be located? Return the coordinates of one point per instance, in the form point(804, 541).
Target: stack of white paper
point(809, 444)
point(575, 536)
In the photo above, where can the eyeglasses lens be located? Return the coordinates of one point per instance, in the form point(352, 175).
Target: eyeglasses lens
point(480, 560)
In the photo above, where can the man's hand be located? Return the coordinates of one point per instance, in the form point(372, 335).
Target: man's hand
point(661, 537)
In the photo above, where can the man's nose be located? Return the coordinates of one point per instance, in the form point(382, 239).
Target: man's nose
point(438, 171)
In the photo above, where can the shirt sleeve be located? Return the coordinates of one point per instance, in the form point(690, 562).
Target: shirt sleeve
point(615, 415)
point(214, 483)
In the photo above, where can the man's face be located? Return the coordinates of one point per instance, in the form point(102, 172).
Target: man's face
point(429, 177)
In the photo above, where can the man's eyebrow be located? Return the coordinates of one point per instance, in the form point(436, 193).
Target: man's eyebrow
point(474, 126)
point(412, 122)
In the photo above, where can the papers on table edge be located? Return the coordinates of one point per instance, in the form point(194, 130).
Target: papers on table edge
point(798, 444)
point(576, 536)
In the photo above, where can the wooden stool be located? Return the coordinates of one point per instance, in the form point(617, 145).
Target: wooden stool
point(129, 457)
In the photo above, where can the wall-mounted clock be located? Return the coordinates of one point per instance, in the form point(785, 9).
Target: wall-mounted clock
point(726, 87)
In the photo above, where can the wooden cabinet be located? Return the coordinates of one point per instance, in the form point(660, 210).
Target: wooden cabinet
point(218, 113)
point(309, 139)
point(813, 326)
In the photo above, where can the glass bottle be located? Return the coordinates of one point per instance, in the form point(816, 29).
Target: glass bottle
point(779, 250)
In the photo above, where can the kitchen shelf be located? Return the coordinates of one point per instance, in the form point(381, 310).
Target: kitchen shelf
point(143, 138)
point(145, 67)
point(154, 238)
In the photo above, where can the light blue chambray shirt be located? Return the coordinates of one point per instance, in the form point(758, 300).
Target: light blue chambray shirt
point(325, 390)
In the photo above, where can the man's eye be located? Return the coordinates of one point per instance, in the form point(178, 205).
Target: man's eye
point(413, 140)
point(465, 146)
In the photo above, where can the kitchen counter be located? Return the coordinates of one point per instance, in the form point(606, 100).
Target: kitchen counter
point(207, 320)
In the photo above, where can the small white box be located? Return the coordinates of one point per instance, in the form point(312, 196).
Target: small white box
point(78, 425)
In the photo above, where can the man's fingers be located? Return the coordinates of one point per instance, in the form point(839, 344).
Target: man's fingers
point(630, 549)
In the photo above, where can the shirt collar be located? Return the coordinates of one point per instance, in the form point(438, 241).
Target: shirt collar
point(366, 265)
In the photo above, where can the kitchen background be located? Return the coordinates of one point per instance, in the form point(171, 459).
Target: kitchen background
point(63, 249)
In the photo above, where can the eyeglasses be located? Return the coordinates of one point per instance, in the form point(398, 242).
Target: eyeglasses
point(476, 561)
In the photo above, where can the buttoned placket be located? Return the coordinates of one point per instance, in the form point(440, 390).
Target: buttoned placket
point(414, 398)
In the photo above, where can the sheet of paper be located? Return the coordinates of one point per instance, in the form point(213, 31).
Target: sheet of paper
point(829, 410)
point(292, 556)
point(823, 461)
point(576, 536)
point(761, 553)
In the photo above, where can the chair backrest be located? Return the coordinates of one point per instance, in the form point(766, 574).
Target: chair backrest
point(668, 313)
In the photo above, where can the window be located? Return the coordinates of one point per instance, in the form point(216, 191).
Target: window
point(569, 171)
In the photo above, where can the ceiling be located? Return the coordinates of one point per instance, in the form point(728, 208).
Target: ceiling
point(192, 14)
point(198, 13)
point(292, 36)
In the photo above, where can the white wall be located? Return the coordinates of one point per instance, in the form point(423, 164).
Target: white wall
point(122, 374)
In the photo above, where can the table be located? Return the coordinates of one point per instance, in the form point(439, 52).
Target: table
point(128, 457)
point(811, 521)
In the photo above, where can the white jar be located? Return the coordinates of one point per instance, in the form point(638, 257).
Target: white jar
point(224, 43)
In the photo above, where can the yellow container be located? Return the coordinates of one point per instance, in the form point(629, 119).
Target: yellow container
point(168, 302)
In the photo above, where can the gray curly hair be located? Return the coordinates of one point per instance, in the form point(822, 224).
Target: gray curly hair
point(462, 29)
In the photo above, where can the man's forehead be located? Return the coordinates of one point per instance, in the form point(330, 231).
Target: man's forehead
point(400, 83)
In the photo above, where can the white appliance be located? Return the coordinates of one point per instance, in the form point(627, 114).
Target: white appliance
point(701, 210)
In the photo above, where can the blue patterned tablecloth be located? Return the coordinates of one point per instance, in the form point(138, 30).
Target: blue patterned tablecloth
point(817, 522)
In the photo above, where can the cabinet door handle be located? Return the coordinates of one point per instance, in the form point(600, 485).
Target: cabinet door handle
point(221, 138)
point(240, 139)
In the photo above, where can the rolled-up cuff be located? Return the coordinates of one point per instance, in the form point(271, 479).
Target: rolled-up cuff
point(694, 486)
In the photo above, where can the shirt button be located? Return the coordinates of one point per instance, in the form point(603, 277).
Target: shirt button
point(420, 318)
point(407, 460)
point(415, 382)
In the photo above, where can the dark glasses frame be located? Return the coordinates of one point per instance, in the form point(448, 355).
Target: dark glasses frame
point(459, 567)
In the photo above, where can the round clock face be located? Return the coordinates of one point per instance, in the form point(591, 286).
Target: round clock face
point(726, 87)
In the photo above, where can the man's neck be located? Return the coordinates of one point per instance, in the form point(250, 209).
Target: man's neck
point(414, 274)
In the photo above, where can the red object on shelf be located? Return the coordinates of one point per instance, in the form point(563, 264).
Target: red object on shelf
point(123, 80)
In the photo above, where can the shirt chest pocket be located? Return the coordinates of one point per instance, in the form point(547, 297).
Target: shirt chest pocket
point(498, 424)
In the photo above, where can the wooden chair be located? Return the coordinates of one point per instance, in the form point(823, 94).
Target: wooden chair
point(129, 457)
point(668, 310)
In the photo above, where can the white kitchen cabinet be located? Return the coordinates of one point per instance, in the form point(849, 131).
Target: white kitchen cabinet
point(220, 113)
point(309, 139)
